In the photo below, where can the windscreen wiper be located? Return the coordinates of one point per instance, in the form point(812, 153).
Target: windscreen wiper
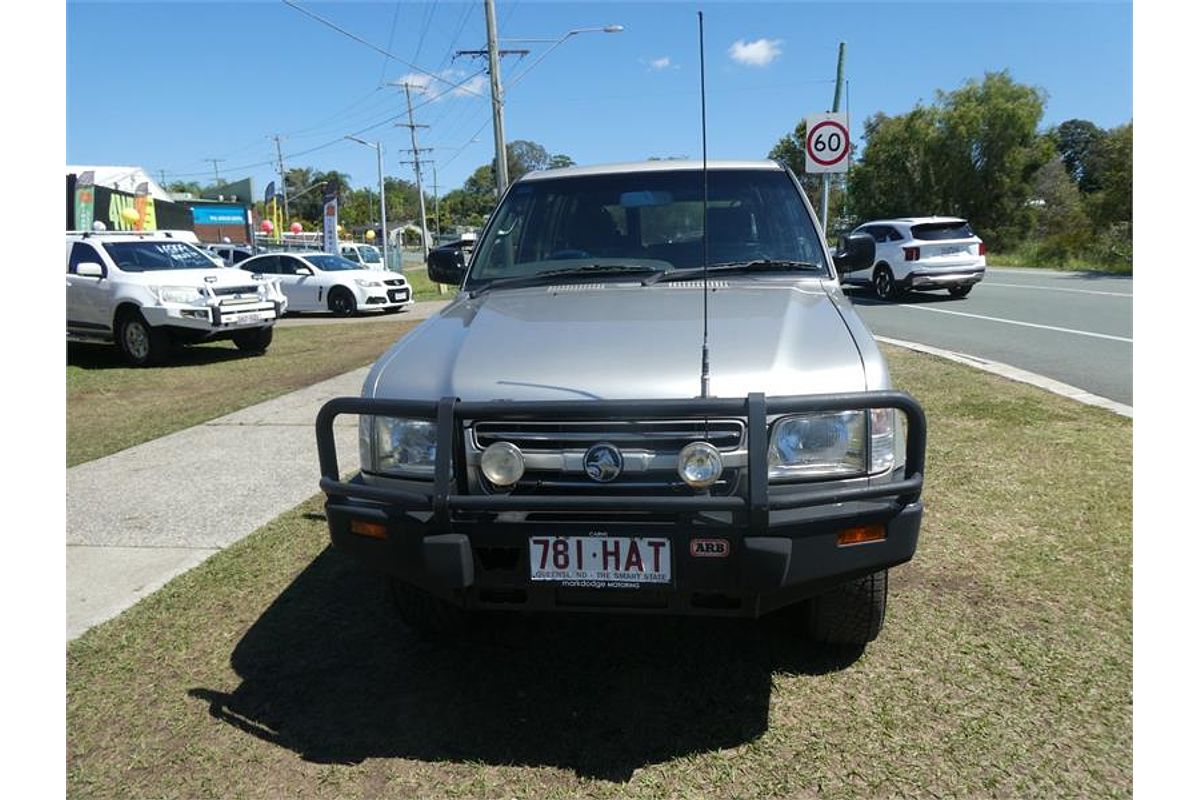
point(761, 264)
point(591, 270)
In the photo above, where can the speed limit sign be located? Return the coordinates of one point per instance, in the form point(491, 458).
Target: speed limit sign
point(826, 143)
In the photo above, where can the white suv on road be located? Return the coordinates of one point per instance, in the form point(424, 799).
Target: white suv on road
point(921, 254)
point(319, 281)
point(146, 291)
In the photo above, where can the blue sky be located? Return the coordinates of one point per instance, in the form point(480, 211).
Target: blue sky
point(216, 80)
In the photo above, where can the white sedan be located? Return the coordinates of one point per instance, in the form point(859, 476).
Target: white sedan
point(323, 282)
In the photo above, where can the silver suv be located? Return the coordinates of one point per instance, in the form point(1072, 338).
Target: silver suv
point(596, 424)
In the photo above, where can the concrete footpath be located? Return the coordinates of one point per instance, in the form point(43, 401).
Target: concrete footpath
point(138, 518)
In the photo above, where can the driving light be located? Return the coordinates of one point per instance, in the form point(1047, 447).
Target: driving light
point(818, 445)
point(699, 465)
point(502, 463)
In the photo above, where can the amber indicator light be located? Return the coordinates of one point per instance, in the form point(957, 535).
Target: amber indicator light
point(861, 534)
point(376, 530)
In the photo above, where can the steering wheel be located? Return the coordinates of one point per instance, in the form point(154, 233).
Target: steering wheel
point(570, 254)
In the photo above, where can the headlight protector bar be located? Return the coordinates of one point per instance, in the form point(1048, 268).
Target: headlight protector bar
point(447, 494)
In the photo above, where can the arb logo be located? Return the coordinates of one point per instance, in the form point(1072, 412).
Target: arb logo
point(710, 548)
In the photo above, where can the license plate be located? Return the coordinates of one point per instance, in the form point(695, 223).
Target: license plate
point(600, 559)
point(953, 251)
point(246, 319)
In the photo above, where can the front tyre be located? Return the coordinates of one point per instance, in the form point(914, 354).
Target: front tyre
point(256, 340)
point(425, 614)
point(141, 344)
point(884, 283)
point(342, 302)
point(850, 614)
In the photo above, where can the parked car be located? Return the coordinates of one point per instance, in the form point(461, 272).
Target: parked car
point(147, 291)
point(921, 254)
point(231, 254)
point(318, 281)
point(564, 437)
point(366, 254)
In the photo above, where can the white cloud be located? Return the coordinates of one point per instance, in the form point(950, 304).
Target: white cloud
point(758, 53)
point(661, 63)
point(422, 83)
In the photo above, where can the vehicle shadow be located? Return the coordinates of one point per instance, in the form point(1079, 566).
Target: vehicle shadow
point(101, 356)
point(328, 672)
point(864, 296)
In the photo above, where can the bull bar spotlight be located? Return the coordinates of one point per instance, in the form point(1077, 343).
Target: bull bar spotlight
point(502, 463)
point(699, 465)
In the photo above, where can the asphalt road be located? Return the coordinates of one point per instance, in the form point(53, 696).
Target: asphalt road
point(1074, 327)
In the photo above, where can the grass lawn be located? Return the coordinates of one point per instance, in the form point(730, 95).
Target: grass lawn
point(276, 669)
point(111, 406)
point(1018, 259)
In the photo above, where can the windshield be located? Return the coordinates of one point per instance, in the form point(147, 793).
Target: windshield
point(651, 220)
point(329, 263)
point(149, 256)
point(369, 254)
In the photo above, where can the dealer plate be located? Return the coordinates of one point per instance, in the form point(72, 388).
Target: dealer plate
point(247, 319)
point(600, 559)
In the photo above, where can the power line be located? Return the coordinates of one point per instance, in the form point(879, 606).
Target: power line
point(374, 47)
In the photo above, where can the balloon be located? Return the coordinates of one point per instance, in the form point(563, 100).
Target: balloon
point(297, 227)
point(370, 235)
point(130, 215)
point(99, 226)
point(268, 226)
point(341, 228)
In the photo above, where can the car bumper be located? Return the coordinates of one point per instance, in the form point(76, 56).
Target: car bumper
point(943, 277)
point(214, 318)
point(781, 545)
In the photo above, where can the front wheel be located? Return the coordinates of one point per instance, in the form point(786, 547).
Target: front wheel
point(425, 614)
point(851, 613)
point(254, 341)
point(884, 283)
point(342, 303)
point(140, 343)
point(960, 291)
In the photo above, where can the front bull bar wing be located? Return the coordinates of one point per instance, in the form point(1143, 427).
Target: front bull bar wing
point(449, 413)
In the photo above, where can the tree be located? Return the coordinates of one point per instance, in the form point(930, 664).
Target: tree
point(184, 187)
point(972, 153)
point(1077, 141)
point(1060, 225)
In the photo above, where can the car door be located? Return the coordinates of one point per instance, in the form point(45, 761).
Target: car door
point(308, 291)
point(89, 299)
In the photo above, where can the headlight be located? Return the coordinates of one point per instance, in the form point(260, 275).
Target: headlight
point(393, 446)
point(366, 284)
point(889, 438)
point(179, 294)
point(817, 445)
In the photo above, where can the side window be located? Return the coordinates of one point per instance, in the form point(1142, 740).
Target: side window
point(287, 265)
point(84, 252)
point(267, 265)
point(893, 235)
point(239, 257)
point(880, 232)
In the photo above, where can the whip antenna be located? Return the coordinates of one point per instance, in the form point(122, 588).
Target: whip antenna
point(704, 213)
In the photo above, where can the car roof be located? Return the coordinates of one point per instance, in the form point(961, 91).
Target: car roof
point(664, 165)
point(913, 221)
point(129, 236)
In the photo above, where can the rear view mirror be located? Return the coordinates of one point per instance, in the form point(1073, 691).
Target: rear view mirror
point(855, 252)
point(89, 269)
point(446, 265)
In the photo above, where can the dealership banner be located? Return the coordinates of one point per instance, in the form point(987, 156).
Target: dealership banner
point(331, 221)
point(85, 200)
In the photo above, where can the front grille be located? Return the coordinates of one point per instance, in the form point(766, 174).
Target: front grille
point(228, 290)
point(393, 282)
point(554, 453)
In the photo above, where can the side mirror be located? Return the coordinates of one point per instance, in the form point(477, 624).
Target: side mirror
point(89, 269)
point(855, 252)
point(304, 271)
point(446, 265)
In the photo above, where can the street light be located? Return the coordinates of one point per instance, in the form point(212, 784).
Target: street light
point(498, 93)
point(382, 204)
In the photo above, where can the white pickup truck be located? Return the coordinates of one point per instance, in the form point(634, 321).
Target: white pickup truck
point(147, 291)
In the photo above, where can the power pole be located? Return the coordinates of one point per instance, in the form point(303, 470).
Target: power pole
point(497, 100)
point(282, 179)
point(216, 174)
point(416, 151)
point(837, 101)
point(437, 220)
